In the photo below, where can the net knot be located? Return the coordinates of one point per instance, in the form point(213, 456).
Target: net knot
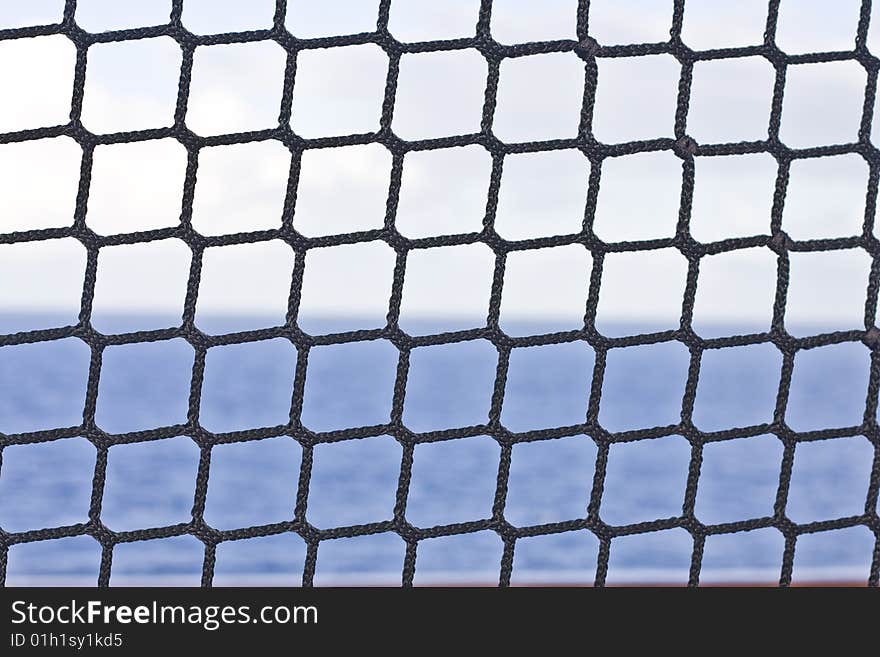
point(686, 147)
point(871, 338)
point(780, 242)
point(589, 46)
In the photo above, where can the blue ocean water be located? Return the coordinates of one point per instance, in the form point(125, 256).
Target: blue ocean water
point(151, 484)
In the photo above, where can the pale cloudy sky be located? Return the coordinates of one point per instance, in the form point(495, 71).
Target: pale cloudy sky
point(137, 186)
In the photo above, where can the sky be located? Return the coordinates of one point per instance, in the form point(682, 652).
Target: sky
point(132, 85)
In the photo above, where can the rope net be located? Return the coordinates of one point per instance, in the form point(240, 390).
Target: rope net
point(589, 51)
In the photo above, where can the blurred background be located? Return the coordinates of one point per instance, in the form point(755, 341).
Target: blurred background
point(242, 188)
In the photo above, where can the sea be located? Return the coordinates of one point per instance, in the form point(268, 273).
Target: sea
point(151, 484)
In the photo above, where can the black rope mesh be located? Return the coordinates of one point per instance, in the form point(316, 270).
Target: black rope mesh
point(588, 50)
